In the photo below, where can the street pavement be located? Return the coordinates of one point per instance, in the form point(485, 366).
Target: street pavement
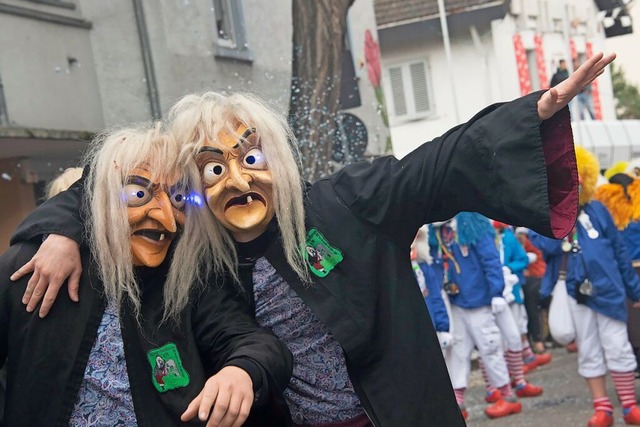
point(564, 403)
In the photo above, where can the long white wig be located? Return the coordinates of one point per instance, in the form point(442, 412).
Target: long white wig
point(195, 119)
point(111, 158)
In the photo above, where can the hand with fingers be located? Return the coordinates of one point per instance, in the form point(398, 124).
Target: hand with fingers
point(225, 400)
point(57, 259)
point(559, 96)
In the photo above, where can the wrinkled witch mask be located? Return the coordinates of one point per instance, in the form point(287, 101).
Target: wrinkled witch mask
point(155, 211)
point(238, 182)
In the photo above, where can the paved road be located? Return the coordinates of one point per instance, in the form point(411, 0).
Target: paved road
point(564, 403)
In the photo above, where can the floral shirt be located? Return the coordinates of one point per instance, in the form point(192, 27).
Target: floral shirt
point(104, 398)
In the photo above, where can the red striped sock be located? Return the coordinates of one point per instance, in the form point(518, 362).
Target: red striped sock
point(625, 387)
point(459, 392)
point(515, 364)
point(487, 384)
point(505, 390)
point(527, 353)
point(603, 404)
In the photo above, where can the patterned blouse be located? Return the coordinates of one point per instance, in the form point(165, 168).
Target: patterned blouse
point(104, 398)
point(320, 390)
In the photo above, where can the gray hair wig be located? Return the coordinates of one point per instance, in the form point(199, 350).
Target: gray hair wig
point(195, 119)
point(111, 158)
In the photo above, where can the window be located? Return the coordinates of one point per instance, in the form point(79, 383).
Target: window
point(229, 27)
point(224, 23)
point(409, 87)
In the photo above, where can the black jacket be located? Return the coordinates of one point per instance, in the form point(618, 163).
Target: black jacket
point(558, 77)
point(503, 163)
point(47, 357)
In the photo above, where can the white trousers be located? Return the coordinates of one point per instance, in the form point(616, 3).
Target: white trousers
point(509, 331)
point(519, 313)
point(602, 343)
point(476, 327)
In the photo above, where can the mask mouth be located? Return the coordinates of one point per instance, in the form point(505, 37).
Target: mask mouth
point(245, 200)
point(154, 234)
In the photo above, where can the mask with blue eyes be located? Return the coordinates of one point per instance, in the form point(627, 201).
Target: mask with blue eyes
point(155, 212)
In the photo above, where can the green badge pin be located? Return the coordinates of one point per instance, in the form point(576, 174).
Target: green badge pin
point(320, 255)
point(167, 370)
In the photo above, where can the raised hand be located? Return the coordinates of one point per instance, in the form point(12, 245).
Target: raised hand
point(559, 96)
point(57, 259)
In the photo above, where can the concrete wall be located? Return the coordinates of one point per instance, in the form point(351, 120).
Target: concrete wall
point(108, 86)
point(42, 88)
point(118, 61)
point(183, 38)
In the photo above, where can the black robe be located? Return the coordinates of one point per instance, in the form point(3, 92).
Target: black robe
point(504, 163)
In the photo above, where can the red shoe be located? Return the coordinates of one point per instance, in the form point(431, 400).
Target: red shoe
point(543, 359)
point(502, 408)
point(600, 419)
point(528, 390)
point(632, 417)
point(465, 413)
point(571, 347)
point(493, 397)
point(531, 365)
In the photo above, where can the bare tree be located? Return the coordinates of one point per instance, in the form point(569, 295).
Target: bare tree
point(319, 28)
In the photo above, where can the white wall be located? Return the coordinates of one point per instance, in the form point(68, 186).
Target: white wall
point(361, 17)
point(478, 74)
point(487, 73)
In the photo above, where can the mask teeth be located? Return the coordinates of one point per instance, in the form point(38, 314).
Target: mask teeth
point(249, 199)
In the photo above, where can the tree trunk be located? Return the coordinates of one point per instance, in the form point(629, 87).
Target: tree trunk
point(319, 28)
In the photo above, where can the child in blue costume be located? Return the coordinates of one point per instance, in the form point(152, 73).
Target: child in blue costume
point(474, 282)
point(599, 279)
point(621, 196)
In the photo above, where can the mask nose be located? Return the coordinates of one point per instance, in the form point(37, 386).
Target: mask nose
point(237, 179)
point(162, 212)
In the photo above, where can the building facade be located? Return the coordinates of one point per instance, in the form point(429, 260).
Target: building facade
point(71, 68)
point(499, 50)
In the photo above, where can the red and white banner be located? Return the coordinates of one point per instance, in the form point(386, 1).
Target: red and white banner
point(542, 68)
point(523, 66)
point(572, 49)
point(595, 93)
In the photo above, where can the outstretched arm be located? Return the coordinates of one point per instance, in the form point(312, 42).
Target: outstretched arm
point(504, 163)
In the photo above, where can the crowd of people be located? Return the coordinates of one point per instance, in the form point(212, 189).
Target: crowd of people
point(210, 284)
point(486, 285)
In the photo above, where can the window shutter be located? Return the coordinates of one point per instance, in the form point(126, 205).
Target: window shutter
point(419, 86)
point(397, 91)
